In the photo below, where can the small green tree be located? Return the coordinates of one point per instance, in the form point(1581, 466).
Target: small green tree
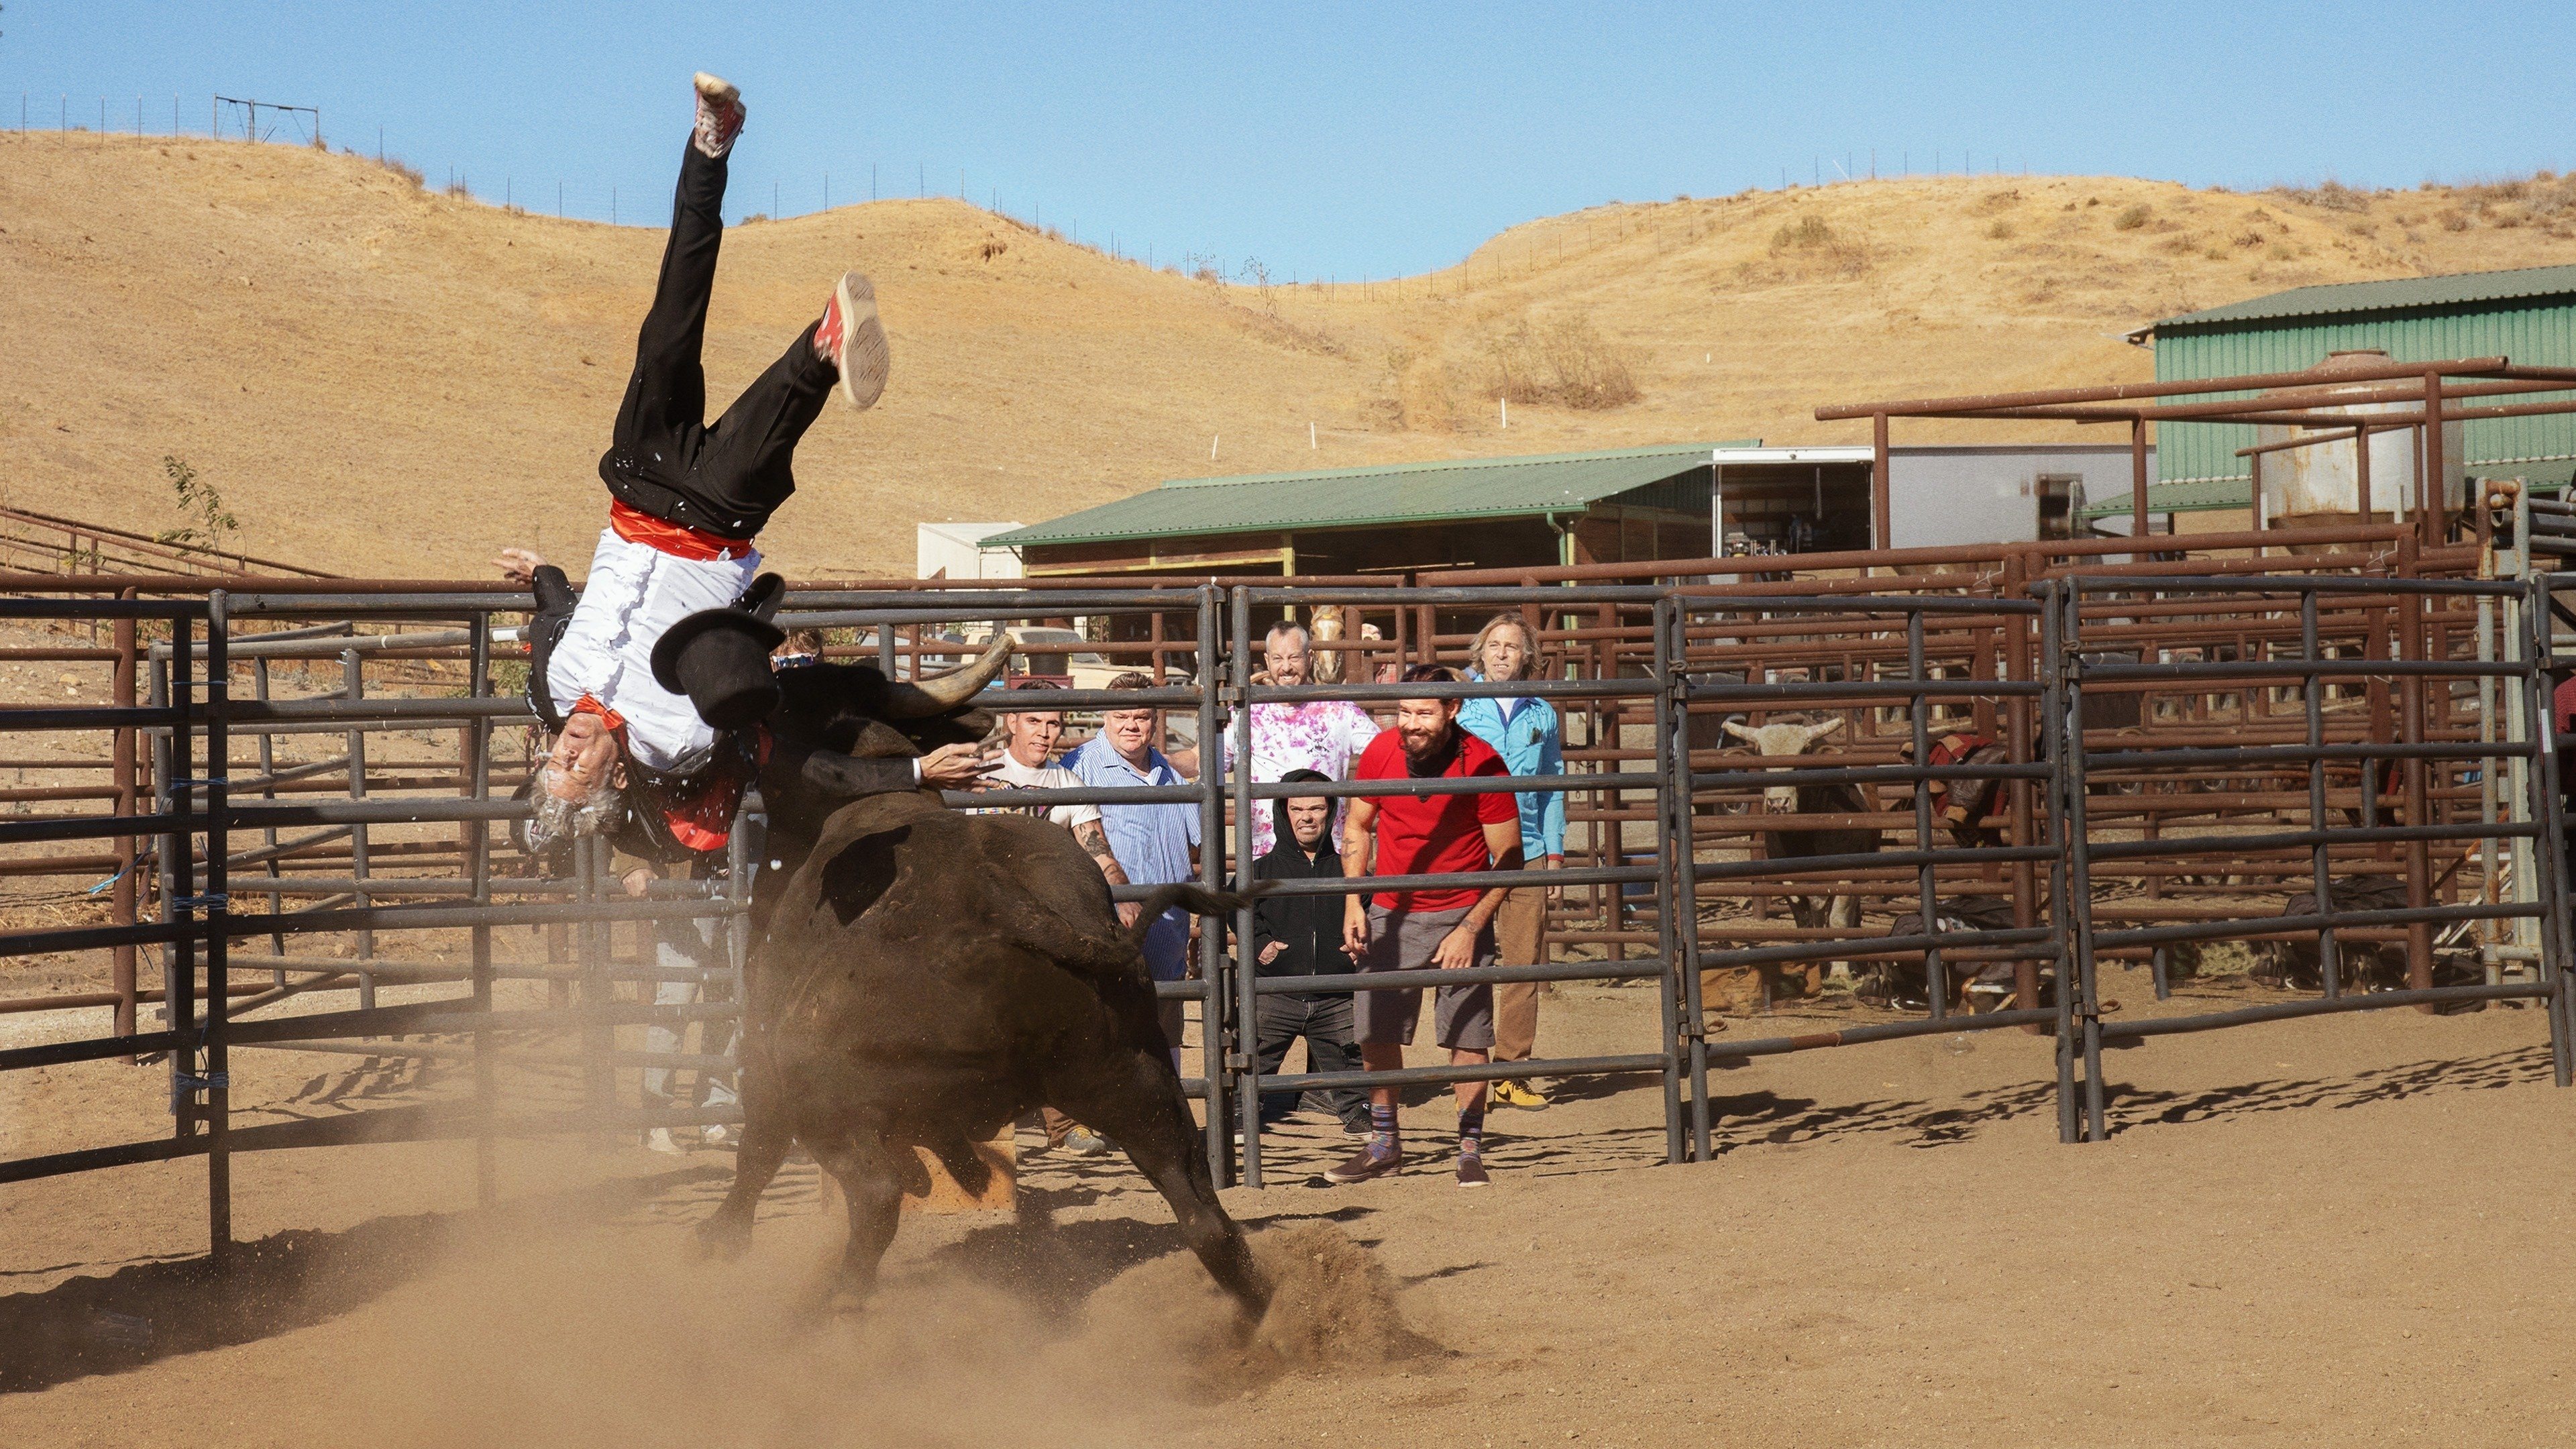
point(210, 523)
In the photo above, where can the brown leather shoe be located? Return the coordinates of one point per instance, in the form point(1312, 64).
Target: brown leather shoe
point(1378, 1159)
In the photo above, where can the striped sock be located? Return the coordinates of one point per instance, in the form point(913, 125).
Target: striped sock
point(1471, 1130)
point(1382, 1124)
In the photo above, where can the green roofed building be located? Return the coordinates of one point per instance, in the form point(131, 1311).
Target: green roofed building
point(1610, 507)
point(2527, 315)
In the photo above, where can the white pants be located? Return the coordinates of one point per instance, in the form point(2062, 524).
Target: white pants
point(688, 946)
point(633, 595)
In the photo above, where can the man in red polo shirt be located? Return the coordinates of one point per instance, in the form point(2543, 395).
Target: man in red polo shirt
point(1418, 929)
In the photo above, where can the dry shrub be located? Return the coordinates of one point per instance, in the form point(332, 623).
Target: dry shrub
point(1807, 233)
point(2179, 245)
point(2132, 217)
point(2455, 220)
point(401, 168)
point(2001, 230)
point(993, 247)
point(1810, 240)
point(457, 189)
point(2329, 195)
point(1566, 361)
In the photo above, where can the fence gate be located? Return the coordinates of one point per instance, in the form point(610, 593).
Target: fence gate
point(2321, 737)
point(1868, 693)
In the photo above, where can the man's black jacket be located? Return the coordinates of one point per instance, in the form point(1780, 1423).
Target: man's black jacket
point(1311, 926)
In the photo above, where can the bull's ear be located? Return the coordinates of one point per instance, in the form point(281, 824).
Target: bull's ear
point(1818, 732)
point(1737, 729)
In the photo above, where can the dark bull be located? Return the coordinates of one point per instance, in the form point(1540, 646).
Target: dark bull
point(921, 977)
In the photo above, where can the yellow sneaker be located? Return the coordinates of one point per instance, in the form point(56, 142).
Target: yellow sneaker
point(1519, 1094)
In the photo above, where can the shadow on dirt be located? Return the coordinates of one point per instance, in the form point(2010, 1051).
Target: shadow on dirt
point(149, 1311)
point(2522, 1066)
point(1768, 1117)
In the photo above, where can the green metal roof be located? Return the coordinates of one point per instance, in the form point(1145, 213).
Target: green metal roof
point(2204, 495)
point(1459, 488)
point(2400, 294)
point(2192, 495)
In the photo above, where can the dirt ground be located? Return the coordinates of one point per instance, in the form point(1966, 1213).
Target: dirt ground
point(2335, 1231)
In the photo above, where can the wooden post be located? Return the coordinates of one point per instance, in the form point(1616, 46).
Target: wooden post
point(1881, 511)
point(2361, 469)
point(2429, 488)
point(2138, 480)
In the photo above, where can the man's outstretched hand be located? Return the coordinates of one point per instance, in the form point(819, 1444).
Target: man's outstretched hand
point(519, 563)
point(956, 767)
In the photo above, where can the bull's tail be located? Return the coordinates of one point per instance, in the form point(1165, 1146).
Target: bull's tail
point(1197, 900)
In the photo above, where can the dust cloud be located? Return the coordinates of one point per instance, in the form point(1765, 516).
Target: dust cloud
point(617, 1341)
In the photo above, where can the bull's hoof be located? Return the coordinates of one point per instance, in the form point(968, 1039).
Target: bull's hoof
point(723, 1238)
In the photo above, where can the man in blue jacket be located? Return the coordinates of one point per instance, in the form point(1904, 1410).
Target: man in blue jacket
point(1525, 732)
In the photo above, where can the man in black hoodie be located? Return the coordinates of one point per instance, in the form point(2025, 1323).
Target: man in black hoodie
point(1302, 936)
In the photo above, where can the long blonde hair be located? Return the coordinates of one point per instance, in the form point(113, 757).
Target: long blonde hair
point(1529, 644)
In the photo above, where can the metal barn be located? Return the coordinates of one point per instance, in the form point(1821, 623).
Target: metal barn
point(2527, 315)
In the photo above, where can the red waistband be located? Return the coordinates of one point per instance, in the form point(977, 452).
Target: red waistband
point(676, 539)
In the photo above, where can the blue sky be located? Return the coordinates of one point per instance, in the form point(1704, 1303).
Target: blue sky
point(1344, 140)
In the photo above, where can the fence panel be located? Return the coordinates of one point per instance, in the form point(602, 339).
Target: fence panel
point(2275, 808)
point(1913, 690)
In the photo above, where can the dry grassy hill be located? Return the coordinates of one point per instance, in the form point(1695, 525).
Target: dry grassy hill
point(384, 380)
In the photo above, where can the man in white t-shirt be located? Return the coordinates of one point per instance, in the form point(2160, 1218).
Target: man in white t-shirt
point(1027, 763)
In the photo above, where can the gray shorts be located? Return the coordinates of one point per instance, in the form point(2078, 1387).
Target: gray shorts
point(1462, 1017)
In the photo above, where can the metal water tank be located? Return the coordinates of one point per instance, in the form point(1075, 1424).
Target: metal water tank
point(2320, 485)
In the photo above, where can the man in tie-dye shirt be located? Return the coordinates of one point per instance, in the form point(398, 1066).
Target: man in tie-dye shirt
point(1325, 736)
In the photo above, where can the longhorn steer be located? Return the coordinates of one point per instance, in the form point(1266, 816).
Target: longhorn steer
point(922, 977)
point(1784, 739)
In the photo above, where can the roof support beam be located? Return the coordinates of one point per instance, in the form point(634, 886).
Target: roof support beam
point(1935, 407)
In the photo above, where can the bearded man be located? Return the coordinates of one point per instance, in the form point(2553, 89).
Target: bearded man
point(1447, 928)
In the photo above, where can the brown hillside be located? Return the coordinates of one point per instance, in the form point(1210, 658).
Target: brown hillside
point(385, 380)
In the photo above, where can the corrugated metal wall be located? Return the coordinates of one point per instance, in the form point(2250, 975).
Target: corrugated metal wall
point(2543, 335)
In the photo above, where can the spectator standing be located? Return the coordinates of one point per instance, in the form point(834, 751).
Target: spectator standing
point(1323, 735)
point(1154, 844)
point(1028, 739)
point(1446, 928)
point(1302, 936)
point(1525, 731)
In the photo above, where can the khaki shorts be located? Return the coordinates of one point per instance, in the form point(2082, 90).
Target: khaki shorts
point(1462, 1017)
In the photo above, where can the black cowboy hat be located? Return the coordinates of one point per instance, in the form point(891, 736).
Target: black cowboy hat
point(719, 658)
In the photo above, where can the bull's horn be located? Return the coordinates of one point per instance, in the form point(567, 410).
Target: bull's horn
point(1738, 729)
point(951, 690)
point(1818, 732)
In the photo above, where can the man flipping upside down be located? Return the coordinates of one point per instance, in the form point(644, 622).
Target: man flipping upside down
point(686, 501)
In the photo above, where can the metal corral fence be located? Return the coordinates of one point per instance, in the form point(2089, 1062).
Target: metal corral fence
point(2410, 713)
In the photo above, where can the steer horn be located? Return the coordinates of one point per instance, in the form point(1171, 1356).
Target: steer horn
point(949, 691)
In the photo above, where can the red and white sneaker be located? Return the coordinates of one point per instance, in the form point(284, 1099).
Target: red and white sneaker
point(851, 339)
point(719, 116)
